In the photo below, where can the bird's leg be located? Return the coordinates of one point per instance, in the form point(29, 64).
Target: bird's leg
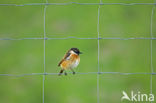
point(65, 73)
point(73, 71)
point(61, 71)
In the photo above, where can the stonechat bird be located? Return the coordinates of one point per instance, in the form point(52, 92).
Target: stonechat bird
point(70, 61)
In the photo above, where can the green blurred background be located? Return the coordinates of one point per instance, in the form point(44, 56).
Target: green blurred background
point(26, 56)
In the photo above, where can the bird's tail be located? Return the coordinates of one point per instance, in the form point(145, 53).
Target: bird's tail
point(61, 71)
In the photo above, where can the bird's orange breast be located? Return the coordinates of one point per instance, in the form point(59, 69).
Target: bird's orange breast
point(66, 64)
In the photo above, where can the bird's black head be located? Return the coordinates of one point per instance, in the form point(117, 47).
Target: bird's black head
point(76, 50)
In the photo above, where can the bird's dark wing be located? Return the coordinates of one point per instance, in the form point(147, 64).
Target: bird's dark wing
point(64, 58)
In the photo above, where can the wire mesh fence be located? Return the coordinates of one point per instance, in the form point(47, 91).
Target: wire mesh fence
point(45, 38)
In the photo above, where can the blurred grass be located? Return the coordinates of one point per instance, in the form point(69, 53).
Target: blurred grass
point(26, 56)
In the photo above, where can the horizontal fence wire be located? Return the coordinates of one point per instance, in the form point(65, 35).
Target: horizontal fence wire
point(117, 73)
point(39, 4)
point(75, 38)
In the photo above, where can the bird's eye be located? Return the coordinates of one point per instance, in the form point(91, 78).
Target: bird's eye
point(76, 51)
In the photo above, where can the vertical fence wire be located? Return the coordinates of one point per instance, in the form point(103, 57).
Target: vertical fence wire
point(151, 49)
point(98, 40)
point(44, 52)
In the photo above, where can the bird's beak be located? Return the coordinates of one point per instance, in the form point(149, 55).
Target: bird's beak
point(80, 53)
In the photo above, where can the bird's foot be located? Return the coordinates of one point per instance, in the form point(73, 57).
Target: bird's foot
point(65, 73)
point(74, 72)
point(59, 74)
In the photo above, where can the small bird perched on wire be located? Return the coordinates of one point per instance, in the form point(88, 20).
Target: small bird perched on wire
point(71, 60)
